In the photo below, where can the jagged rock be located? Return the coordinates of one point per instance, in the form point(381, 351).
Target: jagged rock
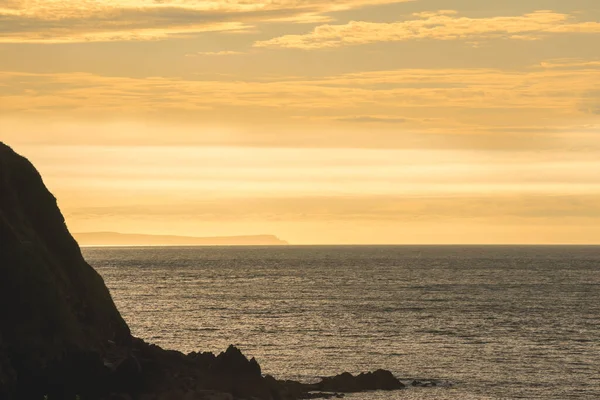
point(165, 371)
point(347, 383)
point(233, 362)
point(204, 359)
point(232, 372)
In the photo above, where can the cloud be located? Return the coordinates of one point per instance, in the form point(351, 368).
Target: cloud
point(593, 108)
point(440, 25)
point(372, 119)
point(215, 53)
point(383, 208)
point(571, 64)
point(475, 88)
point(476, 107)
point(66, 21)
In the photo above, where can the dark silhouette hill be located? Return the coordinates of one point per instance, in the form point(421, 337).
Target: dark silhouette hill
point(55, 311)
point(62, 338)
point(129, 239)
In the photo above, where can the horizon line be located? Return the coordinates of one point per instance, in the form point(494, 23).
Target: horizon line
point(349, 245)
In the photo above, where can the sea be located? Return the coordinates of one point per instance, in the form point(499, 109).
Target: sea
point(487, 322)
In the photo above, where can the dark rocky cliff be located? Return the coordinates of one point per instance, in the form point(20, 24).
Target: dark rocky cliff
point(55, 311)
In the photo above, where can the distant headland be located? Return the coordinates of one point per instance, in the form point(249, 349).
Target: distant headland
point(134, 239)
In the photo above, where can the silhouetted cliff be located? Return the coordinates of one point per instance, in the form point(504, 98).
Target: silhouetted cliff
point(55, 311)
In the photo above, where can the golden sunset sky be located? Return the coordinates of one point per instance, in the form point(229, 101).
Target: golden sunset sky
point(339, 121)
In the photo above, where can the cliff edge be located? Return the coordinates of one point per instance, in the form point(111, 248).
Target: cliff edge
point(56, 314)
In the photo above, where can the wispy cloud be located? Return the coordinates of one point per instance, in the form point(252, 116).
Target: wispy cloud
point(571, 63)
point(396, 208)
point(215, 53)
point(64, 21)
point(359, 94)
point(373, 119)
point(439, 25)
point(477, 105)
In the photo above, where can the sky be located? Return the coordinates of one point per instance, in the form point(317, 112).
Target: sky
point(321, 122)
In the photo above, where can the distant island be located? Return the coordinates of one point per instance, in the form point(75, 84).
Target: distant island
point(133, 239)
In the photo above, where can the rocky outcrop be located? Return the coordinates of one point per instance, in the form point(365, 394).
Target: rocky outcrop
point(61, 336)
point(347, 383)
point(168, 372)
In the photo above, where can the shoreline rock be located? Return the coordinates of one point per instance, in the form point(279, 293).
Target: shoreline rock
point(347, 383)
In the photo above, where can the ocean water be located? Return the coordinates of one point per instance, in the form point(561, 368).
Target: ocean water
point(496, 322)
